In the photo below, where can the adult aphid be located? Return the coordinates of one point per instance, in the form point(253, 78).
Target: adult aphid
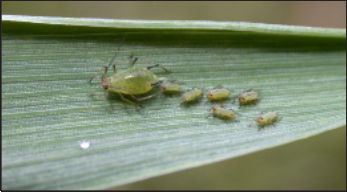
point(218, 93)
point(193, 95)
point(247, 97)
point(223, 113)
point(132, 81)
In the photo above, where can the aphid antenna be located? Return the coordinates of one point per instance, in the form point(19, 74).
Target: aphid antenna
point(251, 123)
point(209, 115)
point(279, 118)
point(236, 120)
point(254, 89)
point(195, 87)
point(118, 49)
point(262, 112)
point(250, 89)
point(114, 57)
point(233, 99)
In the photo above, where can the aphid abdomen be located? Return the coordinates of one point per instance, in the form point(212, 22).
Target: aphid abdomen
point(133, 81)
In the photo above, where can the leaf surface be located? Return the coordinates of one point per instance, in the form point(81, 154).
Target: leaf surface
point(49, 108)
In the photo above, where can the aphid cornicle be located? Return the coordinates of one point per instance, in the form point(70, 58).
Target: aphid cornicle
point(266, 118)
point(216, 94)
point(248, 96)
point(223, 113)
point(192, 95)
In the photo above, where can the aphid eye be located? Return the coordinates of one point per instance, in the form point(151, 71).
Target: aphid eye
point(164, 88)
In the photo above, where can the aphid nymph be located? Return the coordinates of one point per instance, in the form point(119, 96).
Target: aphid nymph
point(223, 113)
point(170, 87)
point(216, 94)
point(248, 96)
point(192, 95)
point(266, 118)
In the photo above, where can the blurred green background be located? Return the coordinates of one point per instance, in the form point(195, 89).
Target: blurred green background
point(315, 163)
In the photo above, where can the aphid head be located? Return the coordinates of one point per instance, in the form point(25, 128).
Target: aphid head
point(184, 98)
point(260, 120)
point(242, 99)
point(104, 82)
point(209, 95)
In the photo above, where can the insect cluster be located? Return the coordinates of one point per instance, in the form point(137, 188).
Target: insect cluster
point(219, 93)
point(136, 81)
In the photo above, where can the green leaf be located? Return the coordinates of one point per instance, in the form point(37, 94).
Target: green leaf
point(49, 108)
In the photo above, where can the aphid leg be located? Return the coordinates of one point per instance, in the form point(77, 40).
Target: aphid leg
point(260, 127)
point(233, 99)
point(114, 68)
point(278, 119)
point(127, 100)
point(133, 63)
point(147, 97)
point(250, 124)
point(156, 83)
point(157, 65)
point(121, 61)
